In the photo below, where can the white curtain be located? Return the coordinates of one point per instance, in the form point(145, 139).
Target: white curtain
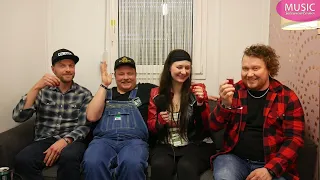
point(150, 29)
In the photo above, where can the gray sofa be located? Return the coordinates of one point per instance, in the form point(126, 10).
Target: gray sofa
point(15, 139)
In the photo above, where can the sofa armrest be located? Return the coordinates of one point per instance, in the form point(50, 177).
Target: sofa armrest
point(307, 159)
point(14, 140)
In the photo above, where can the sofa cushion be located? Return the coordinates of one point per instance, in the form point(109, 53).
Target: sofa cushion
point(307, 160)
point(208, 175)
point(14, 140)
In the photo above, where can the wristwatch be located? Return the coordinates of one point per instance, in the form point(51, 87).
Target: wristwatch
point(66, 140)
point(226, 107)
point(271, 173)
point(105, 87)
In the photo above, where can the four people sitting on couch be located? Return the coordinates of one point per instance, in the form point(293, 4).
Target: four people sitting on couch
point(263, 122)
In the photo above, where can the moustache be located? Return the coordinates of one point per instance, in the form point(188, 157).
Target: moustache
point(125, 81)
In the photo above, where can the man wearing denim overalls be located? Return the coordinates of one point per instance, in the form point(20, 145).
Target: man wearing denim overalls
point(119, 149)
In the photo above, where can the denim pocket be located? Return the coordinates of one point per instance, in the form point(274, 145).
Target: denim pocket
point(119, 119)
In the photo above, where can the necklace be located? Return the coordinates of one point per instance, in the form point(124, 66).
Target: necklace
point(258, 97)
point(175, 106)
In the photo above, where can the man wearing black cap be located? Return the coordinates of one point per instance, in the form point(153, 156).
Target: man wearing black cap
point(60, 125)
point(119, 148)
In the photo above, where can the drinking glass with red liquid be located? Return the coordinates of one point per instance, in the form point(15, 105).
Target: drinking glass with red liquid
point(192, 87)
point(230, 81)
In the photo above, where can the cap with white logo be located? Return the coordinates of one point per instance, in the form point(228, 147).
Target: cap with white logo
point(62, 54)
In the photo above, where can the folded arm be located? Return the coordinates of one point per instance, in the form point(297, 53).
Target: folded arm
point(27, 105)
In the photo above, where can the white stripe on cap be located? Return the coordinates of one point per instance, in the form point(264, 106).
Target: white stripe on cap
point(64, 53)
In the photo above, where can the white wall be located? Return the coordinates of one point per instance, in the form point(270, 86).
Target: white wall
point(22, 52)
point(79, 25)
point(233, 26)
point(33, 29)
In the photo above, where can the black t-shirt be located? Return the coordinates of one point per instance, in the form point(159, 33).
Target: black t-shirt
point(250, 144)
point(143, 93)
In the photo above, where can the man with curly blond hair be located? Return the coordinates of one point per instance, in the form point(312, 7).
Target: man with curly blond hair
point(263, 121)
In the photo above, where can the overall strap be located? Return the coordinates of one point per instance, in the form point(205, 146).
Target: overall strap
point(133, 93)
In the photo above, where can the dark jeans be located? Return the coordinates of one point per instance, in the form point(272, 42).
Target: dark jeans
point(29, 162)
point(231, 167)
point(187, 162)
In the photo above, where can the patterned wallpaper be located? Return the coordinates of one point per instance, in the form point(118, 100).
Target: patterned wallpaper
point(300, 67)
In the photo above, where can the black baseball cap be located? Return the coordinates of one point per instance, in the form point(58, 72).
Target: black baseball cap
point(63, 54)
point(124, 60)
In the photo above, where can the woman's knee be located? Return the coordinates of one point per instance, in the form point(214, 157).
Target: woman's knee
point(162, 162)
point(188, 166)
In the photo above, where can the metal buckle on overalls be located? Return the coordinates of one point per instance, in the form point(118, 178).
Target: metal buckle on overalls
point(137, 101)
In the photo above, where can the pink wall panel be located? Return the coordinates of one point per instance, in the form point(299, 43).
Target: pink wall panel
point(300, 67)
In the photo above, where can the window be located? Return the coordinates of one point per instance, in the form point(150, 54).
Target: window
point(147, 30)
point(150, 29)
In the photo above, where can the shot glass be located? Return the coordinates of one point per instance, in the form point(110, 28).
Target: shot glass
point(230, 80)
point(196, 84)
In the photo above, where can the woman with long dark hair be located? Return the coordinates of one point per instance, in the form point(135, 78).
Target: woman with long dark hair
point(178, 116)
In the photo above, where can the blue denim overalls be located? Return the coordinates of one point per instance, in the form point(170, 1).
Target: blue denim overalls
point(122, 120)
point(119, 149)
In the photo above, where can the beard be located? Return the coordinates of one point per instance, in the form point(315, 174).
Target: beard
point(64, 79)
point(256, 85)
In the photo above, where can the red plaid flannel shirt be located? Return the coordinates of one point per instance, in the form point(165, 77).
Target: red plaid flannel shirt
point(283, 126)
